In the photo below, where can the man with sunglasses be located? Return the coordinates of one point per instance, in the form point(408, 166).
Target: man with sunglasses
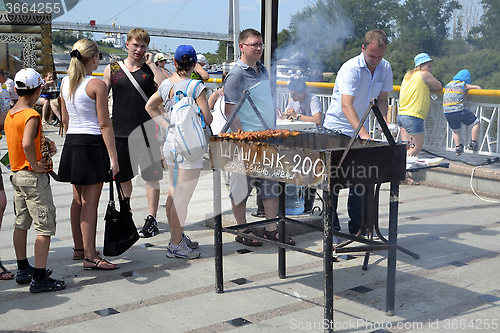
point(250, 74)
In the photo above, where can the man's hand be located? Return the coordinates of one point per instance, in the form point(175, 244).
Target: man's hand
point(149, 58)
point(290, 113)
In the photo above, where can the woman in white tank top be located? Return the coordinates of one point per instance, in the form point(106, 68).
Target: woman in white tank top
point(88, 148)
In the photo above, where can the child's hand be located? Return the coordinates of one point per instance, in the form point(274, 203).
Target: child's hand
point(41, 165)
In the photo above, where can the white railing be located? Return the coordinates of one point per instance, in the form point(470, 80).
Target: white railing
point(438, 134)
point(437, 131)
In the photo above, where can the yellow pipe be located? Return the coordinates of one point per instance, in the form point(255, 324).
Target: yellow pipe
point(327, 85)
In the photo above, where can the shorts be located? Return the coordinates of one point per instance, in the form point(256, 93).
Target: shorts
point(185, 164)
point(132, 153)
point(412, 125)
point(455, 119)
point(33, 202)
point(241, 186)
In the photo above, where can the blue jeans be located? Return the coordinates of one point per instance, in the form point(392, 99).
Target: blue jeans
point(353, 208)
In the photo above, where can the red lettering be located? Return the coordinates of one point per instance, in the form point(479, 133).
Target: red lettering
point(144, 76)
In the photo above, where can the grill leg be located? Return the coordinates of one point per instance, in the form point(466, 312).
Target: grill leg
point(391, 258)
point(281, 233)
point(328, 260)
point(219, 281)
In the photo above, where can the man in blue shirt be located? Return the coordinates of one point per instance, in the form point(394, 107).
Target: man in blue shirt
point(363, 78)
point(249, 74)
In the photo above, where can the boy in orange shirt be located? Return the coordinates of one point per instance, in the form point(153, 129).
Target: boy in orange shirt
point(33, 201)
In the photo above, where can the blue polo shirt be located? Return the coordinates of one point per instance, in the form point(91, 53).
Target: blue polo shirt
point(355, 79)
point(243, 77)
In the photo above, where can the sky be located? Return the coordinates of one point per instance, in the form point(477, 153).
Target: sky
point(190, 15)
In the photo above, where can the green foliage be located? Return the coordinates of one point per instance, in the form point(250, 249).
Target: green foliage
point(487, 35)
point(331, 32)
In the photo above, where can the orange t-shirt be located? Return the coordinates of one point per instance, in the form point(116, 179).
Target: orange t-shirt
point(14, 130)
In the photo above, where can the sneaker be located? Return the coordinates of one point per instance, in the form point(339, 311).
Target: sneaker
point(191, 244)
point(150, 228)
point(182, 251)
point(459, 149)
point(47, 284)
point(24, 275)
point(473, 145)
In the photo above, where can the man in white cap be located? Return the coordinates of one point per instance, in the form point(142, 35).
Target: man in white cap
point(199, 73)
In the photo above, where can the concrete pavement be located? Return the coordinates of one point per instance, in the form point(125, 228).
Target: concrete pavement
point(453, 287)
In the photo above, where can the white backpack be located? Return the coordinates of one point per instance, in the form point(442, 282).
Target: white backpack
point(187, 123)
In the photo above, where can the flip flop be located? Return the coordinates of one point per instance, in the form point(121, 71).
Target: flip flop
point(82, 256)
point(5, 274)
point(97, 262)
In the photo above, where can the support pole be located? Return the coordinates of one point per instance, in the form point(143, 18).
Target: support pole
point(393, 242)
point(328, 259)
point(219, 280)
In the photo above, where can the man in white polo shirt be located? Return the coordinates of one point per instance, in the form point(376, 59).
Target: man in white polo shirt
point(363, 78)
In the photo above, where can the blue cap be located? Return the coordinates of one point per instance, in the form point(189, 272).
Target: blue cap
point(463, 75)
point(185, 49)
point(422, 58)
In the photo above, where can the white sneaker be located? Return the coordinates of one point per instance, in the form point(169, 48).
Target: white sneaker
point(182, 251)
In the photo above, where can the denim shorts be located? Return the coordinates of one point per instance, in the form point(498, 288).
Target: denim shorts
point(455, 119)
point(412, 125)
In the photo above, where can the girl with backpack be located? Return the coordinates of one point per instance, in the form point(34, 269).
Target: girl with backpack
point(183, 173)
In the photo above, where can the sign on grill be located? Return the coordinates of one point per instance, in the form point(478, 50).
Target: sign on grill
point(303, 167)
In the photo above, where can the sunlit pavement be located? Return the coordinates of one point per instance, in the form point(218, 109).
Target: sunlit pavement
point(453, 287)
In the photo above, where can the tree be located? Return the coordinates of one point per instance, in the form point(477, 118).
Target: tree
point(422, 25)
point(487, 35)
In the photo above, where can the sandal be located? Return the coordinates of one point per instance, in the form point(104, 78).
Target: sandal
point(459, 149)
point(5, 274)
point(81, 256)
point(97, 264)
point(248, 241)
point(273, 235)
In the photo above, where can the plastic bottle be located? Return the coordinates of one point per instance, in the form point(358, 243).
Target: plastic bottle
point(5, 99)
point(294, 204)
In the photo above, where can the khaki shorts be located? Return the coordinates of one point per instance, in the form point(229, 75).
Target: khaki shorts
point(242, 185)
point(33, 202)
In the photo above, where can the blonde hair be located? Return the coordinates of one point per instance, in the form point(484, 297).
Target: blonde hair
point(138, 34)
point(410, 73)
point(83, 51)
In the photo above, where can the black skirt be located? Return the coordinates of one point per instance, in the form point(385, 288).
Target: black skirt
point(84, 160)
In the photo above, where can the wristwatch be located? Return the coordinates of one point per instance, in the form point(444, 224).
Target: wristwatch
point(298, 116)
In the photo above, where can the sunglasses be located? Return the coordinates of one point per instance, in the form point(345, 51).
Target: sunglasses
point(100, 55)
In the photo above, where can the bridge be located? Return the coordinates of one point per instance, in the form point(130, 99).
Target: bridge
point(151, 31)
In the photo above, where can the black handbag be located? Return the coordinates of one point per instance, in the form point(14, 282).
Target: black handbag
point(120, 232)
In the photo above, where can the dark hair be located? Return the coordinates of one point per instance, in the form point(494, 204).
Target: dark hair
point(26, 92)
point(247, 33)
point(184, 64)
point(297, 85)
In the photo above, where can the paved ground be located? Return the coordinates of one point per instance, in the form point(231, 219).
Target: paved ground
point(453, 287)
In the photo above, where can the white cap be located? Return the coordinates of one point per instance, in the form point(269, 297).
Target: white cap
point(201, 58)
point(27, 78)
point(160, 57)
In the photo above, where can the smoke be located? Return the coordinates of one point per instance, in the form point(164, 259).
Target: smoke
point(316, 37)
